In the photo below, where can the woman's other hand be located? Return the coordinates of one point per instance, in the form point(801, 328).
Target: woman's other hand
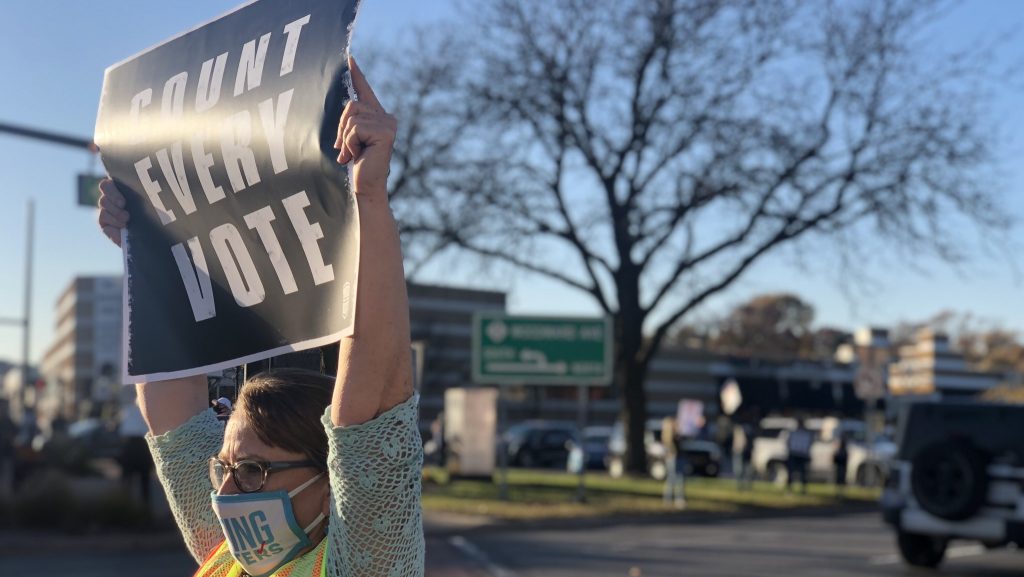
point(112, 215)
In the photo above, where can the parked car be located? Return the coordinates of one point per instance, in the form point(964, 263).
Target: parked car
point(595, 446)
point(866, 464)
point(702, 457)
point(957, 475)
point(539, 444)
point(94, 438)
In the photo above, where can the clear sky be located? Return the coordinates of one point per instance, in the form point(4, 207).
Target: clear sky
point(52, 59)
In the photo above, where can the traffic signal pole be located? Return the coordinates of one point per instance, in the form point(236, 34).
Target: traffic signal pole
point(47, 136)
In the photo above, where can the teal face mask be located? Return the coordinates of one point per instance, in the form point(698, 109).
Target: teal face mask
point(261, 530)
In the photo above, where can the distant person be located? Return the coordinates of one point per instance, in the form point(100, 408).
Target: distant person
point(437, 436)
point(25, 456)
point(675, 465)
point(136, 462)
point(742, 455)
point(839, 462)
point(8, 430)
point(798, 447)
point(222, 407)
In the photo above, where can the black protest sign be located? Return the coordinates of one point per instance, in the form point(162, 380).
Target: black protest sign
point(243, 241)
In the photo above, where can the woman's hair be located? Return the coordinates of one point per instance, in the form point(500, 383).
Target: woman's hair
point(284, 407)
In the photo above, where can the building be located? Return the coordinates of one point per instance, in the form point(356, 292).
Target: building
point(929, 367)
point(441, 320)
point(81, 367)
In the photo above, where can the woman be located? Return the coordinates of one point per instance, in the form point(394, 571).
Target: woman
point(310, 474)
point(675, 464)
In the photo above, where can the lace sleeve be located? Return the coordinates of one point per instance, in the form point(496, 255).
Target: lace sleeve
point(181, 458)
point(376, 528)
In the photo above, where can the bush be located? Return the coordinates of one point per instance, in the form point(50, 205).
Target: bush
point(115, 511)
point(45, 501)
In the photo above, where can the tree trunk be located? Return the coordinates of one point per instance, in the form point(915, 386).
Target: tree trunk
point(630, 373)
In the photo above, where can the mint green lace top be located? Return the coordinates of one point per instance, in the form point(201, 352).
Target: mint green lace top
point(375, 529)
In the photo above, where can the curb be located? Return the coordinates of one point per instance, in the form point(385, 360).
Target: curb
point(436, 524)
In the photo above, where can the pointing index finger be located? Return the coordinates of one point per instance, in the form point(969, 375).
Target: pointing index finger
point(361, 86)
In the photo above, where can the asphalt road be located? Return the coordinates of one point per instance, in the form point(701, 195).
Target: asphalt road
point(850, 546)
point(847, 546)
point(102, 563)
point(443, 560)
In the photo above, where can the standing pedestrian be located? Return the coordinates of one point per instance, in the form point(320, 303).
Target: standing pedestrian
point(136, 462)
point(8, 431)
point(675, 465)
point(742, 454)
point(839, 461)
point(798, 447)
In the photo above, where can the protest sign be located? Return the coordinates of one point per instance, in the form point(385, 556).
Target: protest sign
point(689, 417)
point(243, 238)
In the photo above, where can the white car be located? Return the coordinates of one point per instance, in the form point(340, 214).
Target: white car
point(866, 464)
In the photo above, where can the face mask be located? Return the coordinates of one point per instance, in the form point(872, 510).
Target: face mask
point(261, 529)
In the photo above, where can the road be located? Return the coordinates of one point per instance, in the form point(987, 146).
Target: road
point(850, 546)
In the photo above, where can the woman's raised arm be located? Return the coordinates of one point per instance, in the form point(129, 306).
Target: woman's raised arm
point(374, 366)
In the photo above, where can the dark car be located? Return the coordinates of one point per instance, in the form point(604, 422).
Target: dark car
point(95, 438)
point(595, 446)
point(702, 457)
point(540, 444)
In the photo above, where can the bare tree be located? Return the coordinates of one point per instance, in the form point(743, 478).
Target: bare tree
point(423, 82)
point(649, 152)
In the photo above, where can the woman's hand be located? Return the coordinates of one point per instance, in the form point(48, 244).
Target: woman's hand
point(112, 216)
point(366, 135)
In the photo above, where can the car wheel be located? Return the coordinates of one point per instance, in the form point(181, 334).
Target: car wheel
point(711, 470)
point(616, 467)
point(921, 550)
point(949, 479)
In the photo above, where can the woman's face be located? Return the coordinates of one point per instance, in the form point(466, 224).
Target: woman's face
point(241, 443)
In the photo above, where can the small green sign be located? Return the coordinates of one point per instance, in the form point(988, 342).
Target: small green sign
point(512, 350)
point(89, 189)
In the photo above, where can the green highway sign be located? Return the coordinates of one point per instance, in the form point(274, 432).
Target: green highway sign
point(515, 350)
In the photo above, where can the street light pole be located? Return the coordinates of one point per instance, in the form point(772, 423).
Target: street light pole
point(27, 317)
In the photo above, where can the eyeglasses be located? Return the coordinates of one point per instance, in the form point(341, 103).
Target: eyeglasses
point(249, 476)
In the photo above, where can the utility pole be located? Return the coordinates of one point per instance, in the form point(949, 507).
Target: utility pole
point(26, 320)
point(27, 315)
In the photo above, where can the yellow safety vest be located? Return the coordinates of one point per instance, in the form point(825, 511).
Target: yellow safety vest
point(220, 563)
